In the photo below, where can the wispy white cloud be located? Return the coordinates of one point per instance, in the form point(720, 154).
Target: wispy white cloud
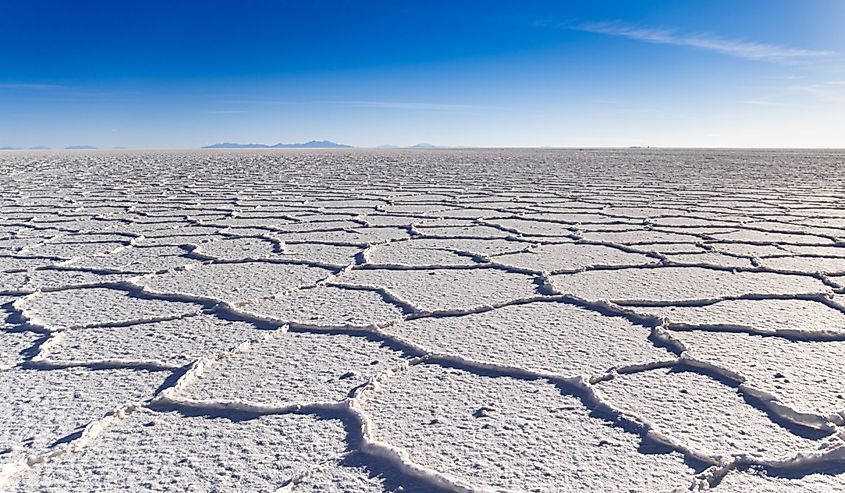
point(24, 85)
point(393, 105)
point(803, 95)
point(824, 92)
point(765, 102)
point(733, 47)
point(405, 105)
point(787, 77)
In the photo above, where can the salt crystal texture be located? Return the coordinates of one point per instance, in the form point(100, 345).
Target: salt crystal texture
point(422, 321)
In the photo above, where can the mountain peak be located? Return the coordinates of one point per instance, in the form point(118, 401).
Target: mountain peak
point(311, 144)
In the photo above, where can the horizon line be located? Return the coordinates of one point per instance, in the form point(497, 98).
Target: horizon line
point(413, 148)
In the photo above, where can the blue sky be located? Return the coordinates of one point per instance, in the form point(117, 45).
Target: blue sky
point(718, 73)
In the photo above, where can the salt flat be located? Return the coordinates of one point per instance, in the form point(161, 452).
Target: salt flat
point(427, 320)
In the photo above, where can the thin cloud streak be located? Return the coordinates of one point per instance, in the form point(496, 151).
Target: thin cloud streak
point(829, 93)
point(24, 85)
point(738, 48)
point(763, 102)
point(393, 105)
point(404, 105)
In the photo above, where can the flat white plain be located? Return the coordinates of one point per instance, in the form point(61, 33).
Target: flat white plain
point(426, 320)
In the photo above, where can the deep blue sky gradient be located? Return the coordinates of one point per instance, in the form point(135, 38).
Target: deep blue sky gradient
point(477, 73)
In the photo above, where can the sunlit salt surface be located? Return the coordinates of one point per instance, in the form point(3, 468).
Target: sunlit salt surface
point(430, 320)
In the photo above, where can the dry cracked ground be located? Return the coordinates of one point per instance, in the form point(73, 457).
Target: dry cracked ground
point(422, 321)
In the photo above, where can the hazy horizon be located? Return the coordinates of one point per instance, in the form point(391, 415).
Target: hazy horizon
point(413, 148)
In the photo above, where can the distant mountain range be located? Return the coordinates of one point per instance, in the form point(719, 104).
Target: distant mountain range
point(311, 144)
point(80, 147)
